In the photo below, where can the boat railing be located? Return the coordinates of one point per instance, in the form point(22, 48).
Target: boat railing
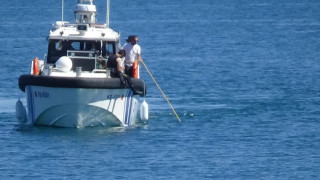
point(88, 60)
point(82, 54)
point(99, 71)
point(59, 24)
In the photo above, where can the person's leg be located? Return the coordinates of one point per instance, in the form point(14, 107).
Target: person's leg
point(128, 70)
point(128, 79)
point(122, 80)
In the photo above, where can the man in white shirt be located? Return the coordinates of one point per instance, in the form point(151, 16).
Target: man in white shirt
point(133, 52)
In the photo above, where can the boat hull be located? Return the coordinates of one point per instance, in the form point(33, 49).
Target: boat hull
point(81, 107)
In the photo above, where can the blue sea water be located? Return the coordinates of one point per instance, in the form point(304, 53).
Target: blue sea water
point(244, 77)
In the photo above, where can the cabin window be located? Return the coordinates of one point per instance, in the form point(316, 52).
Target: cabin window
point(110, 48)
point(58, 48)
point(77, 46)
point(85, 18)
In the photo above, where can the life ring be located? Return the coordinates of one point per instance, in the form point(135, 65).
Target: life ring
point(35, 66)
point(135, 70)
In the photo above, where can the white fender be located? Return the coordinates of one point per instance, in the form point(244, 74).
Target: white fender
point(21, 112)
point(144, 111)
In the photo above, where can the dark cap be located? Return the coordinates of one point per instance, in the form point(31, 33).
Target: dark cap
point(122, 52)
point(129, 38)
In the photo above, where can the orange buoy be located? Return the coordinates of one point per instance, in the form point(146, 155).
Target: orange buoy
point(135, 70)
point(35, 66)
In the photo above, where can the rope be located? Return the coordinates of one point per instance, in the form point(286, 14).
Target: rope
point(164, 96)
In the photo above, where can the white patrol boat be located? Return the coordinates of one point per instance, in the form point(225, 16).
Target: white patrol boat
point(72, 87)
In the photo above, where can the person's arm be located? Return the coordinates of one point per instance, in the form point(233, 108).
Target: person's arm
point(139, 59)
point(138, 54)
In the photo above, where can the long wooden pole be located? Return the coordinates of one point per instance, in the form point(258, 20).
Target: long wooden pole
point(164, 96)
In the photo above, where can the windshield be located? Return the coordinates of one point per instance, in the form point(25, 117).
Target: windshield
point(58, 48)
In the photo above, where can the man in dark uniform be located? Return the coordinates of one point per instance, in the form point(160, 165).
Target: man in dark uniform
point(115, 64)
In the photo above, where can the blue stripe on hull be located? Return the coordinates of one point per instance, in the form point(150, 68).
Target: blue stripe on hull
point(31, 109)
point(128, 107)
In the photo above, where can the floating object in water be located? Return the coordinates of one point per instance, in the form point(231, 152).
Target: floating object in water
point(144, 111)
point(21, 112)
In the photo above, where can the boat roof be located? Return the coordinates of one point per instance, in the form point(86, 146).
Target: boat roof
point(63, 30)
point(84, 26)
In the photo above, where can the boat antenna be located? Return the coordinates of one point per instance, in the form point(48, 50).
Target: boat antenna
point(164, 96)
point(62, 9)
point(108, 10)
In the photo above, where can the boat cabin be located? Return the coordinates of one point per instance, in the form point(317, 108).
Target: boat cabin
point(85, 42)
point(88, 54)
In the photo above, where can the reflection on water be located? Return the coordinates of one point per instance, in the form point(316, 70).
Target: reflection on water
point(81, 131)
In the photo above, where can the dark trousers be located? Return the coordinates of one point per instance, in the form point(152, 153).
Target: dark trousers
point(128, 70)
point(123, 78)
point(126, 77)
